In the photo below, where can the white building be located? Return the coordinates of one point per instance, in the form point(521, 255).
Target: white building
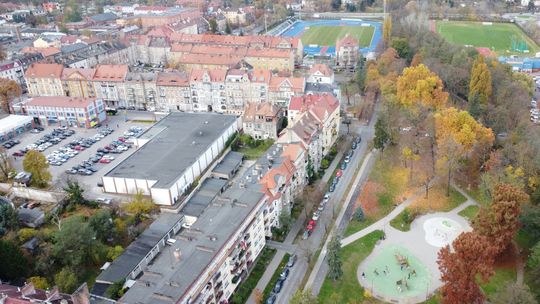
point(172, 155)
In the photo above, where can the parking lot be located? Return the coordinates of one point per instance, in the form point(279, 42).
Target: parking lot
point(76, 156)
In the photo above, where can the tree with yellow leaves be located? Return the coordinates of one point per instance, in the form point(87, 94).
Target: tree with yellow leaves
point(418, 86)
point(480, 84)
point(458, 135)
point(387, 29)
point(411, 156)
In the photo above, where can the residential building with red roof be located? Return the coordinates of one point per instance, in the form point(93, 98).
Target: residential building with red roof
point(44, 79)
point(326, 111)
point(108, 83)
point(347, 49)
point(320, 73)
point(68, 111)
point(78, 82)
point(262, 120)
point(281, 89)
point(174, 91)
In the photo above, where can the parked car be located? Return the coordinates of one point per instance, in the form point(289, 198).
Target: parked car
point(105, 201)
point(332, 188)
point(343, 166)
point(316, 215)
point(353, 146)
point(284, 274)
point(292, 260)
point(277, 287)
point(104, 161)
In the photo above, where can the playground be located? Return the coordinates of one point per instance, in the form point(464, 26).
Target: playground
point(403, 268)
point(320, 36)
point(396, 272)
point(502, 38)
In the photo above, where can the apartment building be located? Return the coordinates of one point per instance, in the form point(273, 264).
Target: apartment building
point(200, 90)
point(174, 91)
point(14, 69)
point(108, 83)
point(78, 82)
point(196, 51)
point(44, 79)
point(262, 120)
point(206, 262)
point(347, 49)
point(326, 111)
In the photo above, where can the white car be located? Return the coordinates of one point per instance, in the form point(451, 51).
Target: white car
point(316, 215)
point(109, 157)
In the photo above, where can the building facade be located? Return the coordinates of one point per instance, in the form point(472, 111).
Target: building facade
point(68, 111)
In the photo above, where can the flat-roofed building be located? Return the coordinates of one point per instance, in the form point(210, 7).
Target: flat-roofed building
point(68, 111)
point(173, 153)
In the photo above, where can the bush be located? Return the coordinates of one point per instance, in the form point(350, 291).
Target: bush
point(359, 214)
point(325, 163)
point(26, 234)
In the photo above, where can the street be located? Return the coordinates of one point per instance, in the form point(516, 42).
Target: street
point(305, 249)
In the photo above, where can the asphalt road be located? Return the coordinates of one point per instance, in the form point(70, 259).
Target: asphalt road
point(306, 248)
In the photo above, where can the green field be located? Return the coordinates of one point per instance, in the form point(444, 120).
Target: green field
point(328, 35)
point(497, 36)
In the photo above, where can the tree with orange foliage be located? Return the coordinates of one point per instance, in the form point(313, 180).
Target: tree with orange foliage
point(500, 221)
point(9, 89)
point(418, 86)
point(458, 135)
point(471, 255)
point(417, 59)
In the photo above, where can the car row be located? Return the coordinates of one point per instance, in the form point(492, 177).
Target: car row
point(50, 139)
point(11, 143)
point(281, 280)
point(535, 113)
point(339, 173)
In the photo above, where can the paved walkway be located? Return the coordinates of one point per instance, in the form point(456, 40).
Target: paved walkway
point(415, 242)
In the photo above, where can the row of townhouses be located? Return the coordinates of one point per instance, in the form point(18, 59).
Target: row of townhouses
point(201, 90)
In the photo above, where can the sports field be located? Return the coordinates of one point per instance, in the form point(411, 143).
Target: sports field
point(328, 35)
point(500, 37)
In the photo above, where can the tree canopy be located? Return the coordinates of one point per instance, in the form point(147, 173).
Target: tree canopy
point(480, 84)
point(418, 86)
point(36, 163)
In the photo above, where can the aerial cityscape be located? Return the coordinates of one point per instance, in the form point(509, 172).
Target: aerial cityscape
point(261, 152)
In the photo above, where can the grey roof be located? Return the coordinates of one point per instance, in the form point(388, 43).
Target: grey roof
point(104, 17)
point(32, 244)
point(200, 244)
point(320, 87)
point(75, 47)
point(209, 189)
point(182, 139)
point(229, 164)
point(138, 249)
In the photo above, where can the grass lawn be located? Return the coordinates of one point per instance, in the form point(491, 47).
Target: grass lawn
point(246, 287)
point(328, 35)
point(469, 212)
point(496, 282)
point(478, 196)
point(355, 225)
point(400, 222)
point(255, 152)
point(497, 36)
point(275, 276)
point(348, 289)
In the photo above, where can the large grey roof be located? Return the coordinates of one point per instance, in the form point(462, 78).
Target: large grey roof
point(182, 138)
point(138, 249)
point(199, 245)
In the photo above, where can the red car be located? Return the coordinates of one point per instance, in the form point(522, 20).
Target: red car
point(18, 153)
point(78, 148)
point(121, 139)
point(339, 173)
point(104, 161)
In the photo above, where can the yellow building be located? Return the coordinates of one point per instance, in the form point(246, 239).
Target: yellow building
point(44, 79)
